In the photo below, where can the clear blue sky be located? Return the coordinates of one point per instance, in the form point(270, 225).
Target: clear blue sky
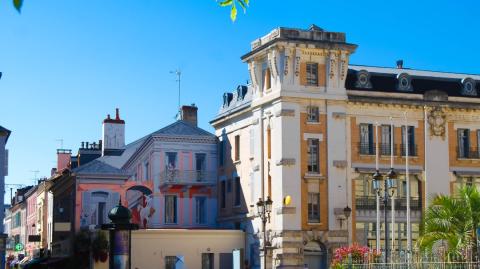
point(66, 64)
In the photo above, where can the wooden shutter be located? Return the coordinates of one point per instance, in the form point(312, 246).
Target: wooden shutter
point(303, 74)
point(322, 75)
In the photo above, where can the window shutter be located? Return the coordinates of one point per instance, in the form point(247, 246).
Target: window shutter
point(322, 75)
point(86, 208)
point(303, 74)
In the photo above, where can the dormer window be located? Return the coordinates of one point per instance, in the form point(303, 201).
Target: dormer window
point(404, 82)
point(469, 87)
point(312, 74)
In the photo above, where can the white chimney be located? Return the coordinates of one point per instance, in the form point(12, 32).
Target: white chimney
point(113, 135)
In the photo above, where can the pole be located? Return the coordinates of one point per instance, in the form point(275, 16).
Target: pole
point(407, 178)
point(377, 196)
point(392, 128)
point(385, 203)
point(264, 220)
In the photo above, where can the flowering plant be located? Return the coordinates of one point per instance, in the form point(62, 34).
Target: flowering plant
point(352, 254)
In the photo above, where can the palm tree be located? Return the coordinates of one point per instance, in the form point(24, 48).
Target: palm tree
point(452, 221)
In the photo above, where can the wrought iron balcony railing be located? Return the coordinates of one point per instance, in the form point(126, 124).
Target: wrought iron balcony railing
point(369, 203)
point(412, 150)
point(468, 153)
point(187, 177)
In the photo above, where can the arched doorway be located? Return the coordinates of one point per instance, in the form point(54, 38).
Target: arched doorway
point(315, 255)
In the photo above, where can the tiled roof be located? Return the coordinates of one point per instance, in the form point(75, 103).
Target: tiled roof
point(98, 167)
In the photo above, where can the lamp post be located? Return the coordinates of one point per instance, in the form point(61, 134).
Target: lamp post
point(120, 230)
point(264, 208)
point(346, 212)
point(388, 190)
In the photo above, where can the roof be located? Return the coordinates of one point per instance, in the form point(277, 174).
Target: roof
point(182, 128)
point(4, 130)
point(385, 79)
point(98, 167)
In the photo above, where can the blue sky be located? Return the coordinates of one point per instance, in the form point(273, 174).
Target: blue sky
point(66, 64)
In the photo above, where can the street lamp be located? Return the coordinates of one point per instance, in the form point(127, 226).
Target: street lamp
point(264, 208)
point(120, 236)
point(389, 186)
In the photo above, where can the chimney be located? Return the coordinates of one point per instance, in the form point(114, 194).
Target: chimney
point(113, 135)
point(189, 114)
point(400, 64)
point(63, 158)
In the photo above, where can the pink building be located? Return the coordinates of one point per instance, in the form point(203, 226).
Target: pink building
point(32, 237)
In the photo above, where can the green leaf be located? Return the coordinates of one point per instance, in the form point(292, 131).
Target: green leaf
point(18, 4)
point(233, 13)
point(242, 4)
point(226, 3)
point(247, 2)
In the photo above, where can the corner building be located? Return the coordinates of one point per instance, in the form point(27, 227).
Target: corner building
point(304, 128)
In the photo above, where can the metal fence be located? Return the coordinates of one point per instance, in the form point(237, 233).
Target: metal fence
point(414, 265)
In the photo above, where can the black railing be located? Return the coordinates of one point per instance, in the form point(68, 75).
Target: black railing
point(369, 203)
point(366, 148)
point(412, 150)
point(468, 153)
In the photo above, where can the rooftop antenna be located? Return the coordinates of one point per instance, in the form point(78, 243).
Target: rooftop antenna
point(61, 143)
point(178, 73)
point(35, 174)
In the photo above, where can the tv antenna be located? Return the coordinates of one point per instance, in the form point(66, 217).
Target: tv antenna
point(35, 174)
point(60, 140)
point(178, 73)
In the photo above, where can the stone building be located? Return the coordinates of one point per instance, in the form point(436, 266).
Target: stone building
point(303, 133)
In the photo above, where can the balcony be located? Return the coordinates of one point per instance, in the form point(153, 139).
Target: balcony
point(170, 177)
point(412, 150)
point(468, 153)
point(385, 149)
point(369, 203)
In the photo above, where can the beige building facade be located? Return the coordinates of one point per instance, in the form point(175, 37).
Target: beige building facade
point(303, 133)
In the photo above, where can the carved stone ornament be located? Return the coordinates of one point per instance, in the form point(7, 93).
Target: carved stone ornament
point(437, 121)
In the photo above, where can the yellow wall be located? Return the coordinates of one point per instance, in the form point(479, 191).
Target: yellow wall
point(149, 247)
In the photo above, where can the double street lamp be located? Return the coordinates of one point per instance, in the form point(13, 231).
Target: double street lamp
point(264, 208)
point(386, 193)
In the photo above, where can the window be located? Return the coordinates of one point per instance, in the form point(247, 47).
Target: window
point(223, 194)
point(101, 213)
point(200, 161)
point(463, 143)
point(366, 139)
point(312, 151)
point(207, 260)
point(201, 210)
point(238, 189)
point(314, 207)
point(171, 262)
point(229, 185)
point(312, 74)
point(411, 141)
point(237, 148)
point(170, 209)
point(312, 114)
point(385, 146)
point(266, 79)
point(221, 152)
point(146, 168)
point(171, 159)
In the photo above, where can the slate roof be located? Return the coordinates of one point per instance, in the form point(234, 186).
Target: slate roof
point(2, 129)
point(98, 167)
point(182, 128)
point(385, 79)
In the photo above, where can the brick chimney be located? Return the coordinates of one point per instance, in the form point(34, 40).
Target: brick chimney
point(189, 114)
point(63, 158)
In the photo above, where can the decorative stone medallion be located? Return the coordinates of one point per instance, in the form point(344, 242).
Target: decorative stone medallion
point(437, 121)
